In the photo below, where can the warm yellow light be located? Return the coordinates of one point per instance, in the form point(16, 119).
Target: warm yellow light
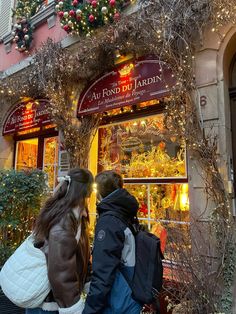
point(95, 187)
point(29, 106)
point(184, 199)
point(126, 69)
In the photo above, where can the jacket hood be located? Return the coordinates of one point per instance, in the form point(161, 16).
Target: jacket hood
point(120, 201)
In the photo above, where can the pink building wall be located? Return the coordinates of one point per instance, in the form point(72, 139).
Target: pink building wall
point(40, 35)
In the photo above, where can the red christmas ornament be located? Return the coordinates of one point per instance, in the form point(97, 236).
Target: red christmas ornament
point(94, 3)
point(61, 14)
point(91, 18)
point(112, 3)
point(143, 209)
point(72, 13)
point(75, 3)
point(116, 16)
point(66, 28)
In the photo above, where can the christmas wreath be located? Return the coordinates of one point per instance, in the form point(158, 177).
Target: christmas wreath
point(82, 17)
point(23, 31)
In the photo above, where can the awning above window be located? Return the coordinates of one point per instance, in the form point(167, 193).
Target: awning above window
point(130, 83)
point(27, 115)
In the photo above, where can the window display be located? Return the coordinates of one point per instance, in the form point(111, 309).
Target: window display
point(26, 154)
point(39, 153)
point(50, 160)
point(163, 209)
point(140, 149)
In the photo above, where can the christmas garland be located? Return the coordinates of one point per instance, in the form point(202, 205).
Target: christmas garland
point(23, 31)
point(83, 17)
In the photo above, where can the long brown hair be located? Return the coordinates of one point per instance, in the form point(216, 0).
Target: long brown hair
point(84, 253)
point(71, 194)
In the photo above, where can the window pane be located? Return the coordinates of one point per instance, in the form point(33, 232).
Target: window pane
point(140, 149)
point(26, 154)
point(50, 162)
point(140, 191)
point(162, 201)
point(6, 7)
point(164, 210)
point(175, 239)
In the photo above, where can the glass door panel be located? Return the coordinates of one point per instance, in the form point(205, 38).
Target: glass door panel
point(50, 160)
point(26, 154)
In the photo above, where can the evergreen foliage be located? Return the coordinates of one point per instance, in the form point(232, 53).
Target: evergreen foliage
point(23, 31)
point(78, 17)
point(21, 194)
point(27, 8)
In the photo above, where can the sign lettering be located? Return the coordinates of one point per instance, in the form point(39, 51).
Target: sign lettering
point(27, 115)
point(136, 82)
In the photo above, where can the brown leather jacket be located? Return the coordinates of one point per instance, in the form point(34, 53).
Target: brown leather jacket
point(62, 252)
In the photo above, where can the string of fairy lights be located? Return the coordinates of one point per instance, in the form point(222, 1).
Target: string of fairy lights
point(82, 18)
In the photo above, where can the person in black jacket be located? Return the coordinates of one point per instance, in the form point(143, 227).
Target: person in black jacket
point(114, 250)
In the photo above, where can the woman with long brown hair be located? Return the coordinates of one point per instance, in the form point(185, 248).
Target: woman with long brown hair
point(61, 233)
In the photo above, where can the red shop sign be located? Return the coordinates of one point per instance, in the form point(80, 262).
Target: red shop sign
point(129, 84)
point(27, 115)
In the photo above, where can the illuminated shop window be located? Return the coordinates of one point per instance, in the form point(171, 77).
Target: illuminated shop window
point(154, 169)
point(27, 158)
point(50, 160)
point(140, 149)
point(26, 154)
point(164, 209)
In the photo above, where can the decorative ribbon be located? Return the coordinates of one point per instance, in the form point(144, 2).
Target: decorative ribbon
point(61, 180)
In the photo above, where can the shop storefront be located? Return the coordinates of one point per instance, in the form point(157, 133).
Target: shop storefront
point(132, 140)
point(35, 138)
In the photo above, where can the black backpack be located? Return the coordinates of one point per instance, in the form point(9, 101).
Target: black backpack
point(148, 273)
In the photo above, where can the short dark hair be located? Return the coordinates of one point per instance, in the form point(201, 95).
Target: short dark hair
point(108, 181)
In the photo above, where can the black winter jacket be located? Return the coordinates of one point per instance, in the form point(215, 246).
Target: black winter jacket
point(114, 247)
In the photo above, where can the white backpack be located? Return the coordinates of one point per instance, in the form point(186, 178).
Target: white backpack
point(24, 276)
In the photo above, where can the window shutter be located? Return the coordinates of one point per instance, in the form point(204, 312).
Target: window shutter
point(5, 16)
point(64, 164)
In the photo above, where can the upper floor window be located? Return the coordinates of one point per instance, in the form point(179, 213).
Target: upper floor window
point(6, 12)
point(6, 7)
